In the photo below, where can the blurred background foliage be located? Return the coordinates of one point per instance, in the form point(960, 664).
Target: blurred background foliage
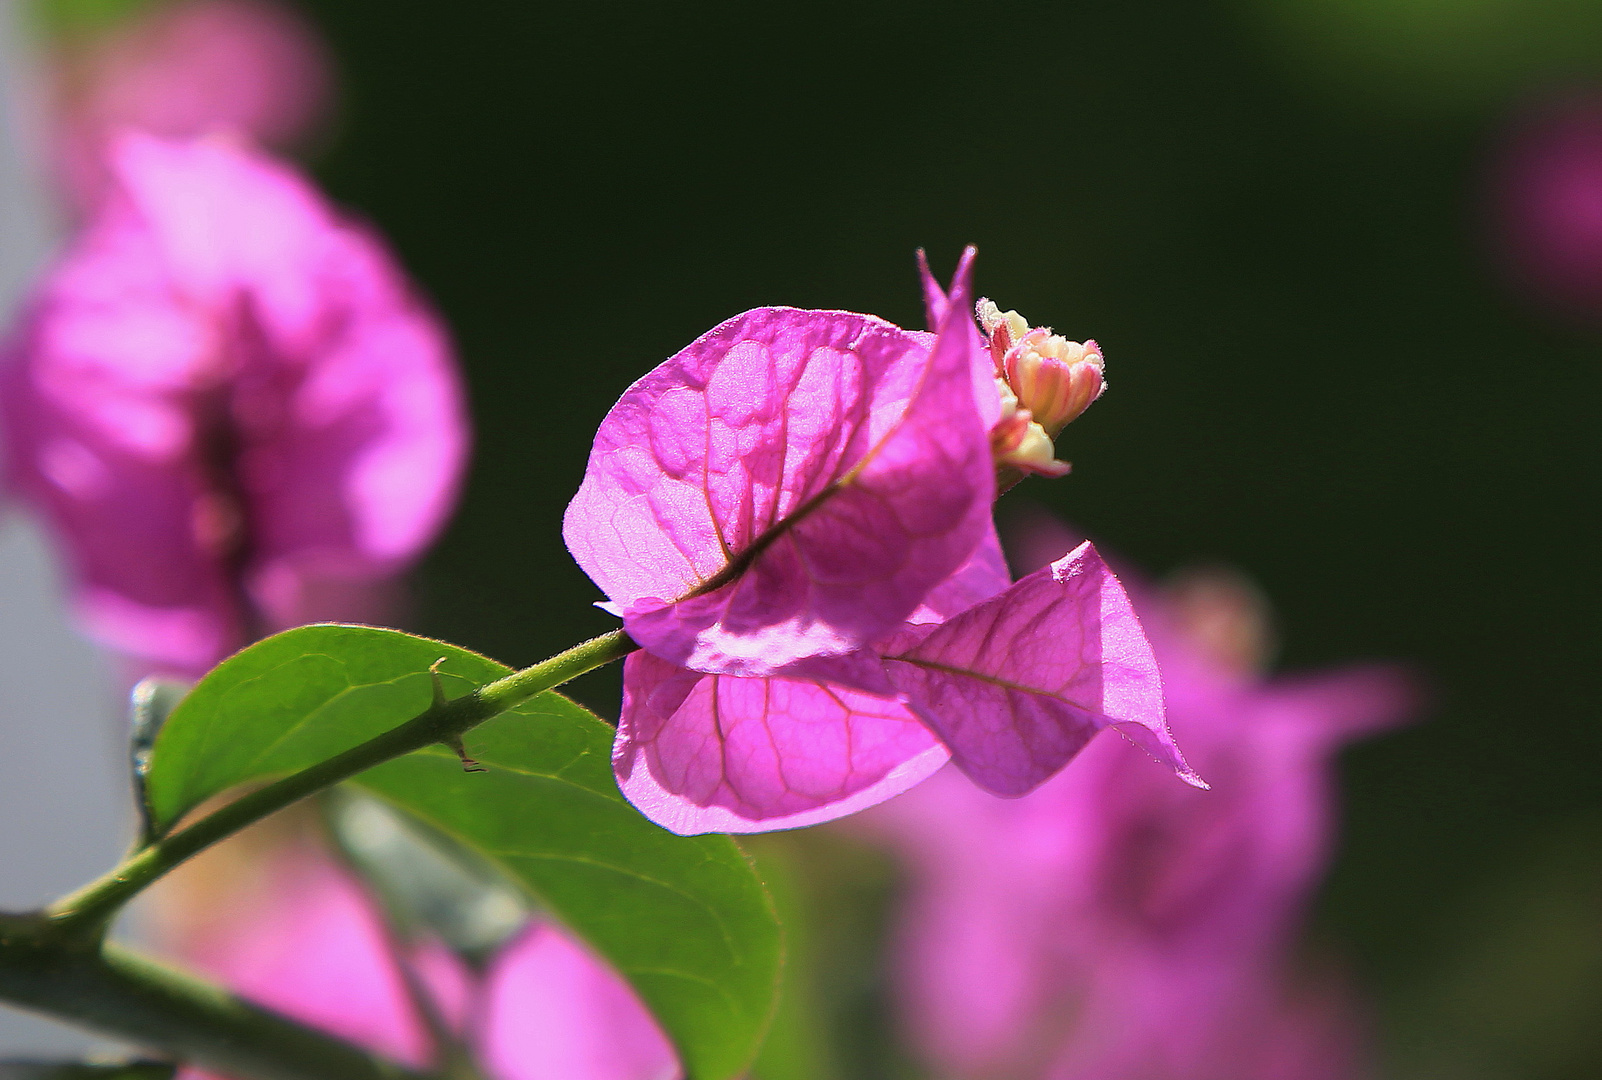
point(1270, 213)
point(1421, 56)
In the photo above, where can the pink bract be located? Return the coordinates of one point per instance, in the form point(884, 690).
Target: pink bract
point(231, 404)
point(787, 488)
point(555, 1012)
point(1014, 703)
point(1113, 925)
point(1546, 203)
point(793, 518)
point(1010, 685)
point(312, 945)
point(191, 67)
point(715, 753)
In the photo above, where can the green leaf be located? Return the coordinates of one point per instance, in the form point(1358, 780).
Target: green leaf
point(292, 701)
point(685, 919)
point(85, 16)
point(688, 924)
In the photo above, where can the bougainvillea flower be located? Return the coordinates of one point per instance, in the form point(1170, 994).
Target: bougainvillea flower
point(1207, 1019)
point(718, 753)
point(1035, 385)
point(230, 405)
point(815, 663)
point(789, 487)
point(1014, 703)
point(1114, 925)
point(293, 930)
point(555, 1012)
point(1546, 204)
point(296, 932)
point(191, 67)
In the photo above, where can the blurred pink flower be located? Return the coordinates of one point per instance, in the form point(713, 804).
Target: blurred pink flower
point(555, 1012)
point(1547, 203)
point(190, 67)
point(305, 940)
point(792, 516)
point(231, 406)
point(308, 942)
point(1115, 926)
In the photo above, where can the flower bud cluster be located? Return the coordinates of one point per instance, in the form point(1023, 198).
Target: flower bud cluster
point(1045, 381)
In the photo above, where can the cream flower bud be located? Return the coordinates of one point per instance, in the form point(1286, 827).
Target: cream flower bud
point(1002, 328)
point(1020, 443)
point(1044, 381)
point(1017, 442)
point(1054, 378)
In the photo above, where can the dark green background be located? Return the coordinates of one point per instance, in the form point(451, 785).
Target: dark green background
point(1316, 374)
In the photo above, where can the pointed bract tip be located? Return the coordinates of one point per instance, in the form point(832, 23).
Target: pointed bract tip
point(962, 278)
point(959, 297)
point(1158, 743)
point(934, 297)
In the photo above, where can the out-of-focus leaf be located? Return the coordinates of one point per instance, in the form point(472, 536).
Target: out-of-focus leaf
point(427, 881)
point(151, 702)
point(689, 925)
point(81, 16)
point(799, 1045)
point(75, 1070)
point(1424, 53)
point(685, 920)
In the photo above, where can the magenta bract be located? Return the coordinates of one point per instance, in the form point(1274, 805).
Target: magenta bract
point(716, 753)
point(1014, 703)
point(305, 940)
point(230, 404)
point(793, 518)
point(254, 68)
point(1009, 682)
point(311, 944)
point(789, 487)
point(1114, 925)
point(555, 1012)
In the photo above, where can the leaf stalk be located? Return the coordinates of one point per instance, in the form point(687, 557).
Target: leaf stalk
point(86, 914)
point(58, 962)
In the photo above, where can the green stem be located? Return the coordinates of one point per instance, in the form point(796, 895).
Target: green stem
point(58, 963)
point(85, 914)
point(127, 996)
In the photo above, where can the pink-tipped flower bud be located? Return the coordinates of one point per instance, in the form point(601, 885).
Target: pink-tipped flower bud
point(1044, 382)
point(1002, 328)
point(1019, 442)
point(1054, 378)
